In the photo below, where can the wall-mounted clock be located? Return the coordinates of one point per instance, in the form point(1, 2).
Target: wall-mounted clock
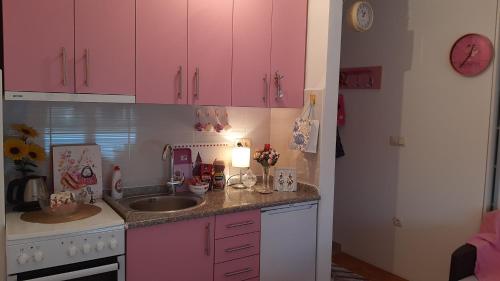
point(471, 54)
point(361, 16)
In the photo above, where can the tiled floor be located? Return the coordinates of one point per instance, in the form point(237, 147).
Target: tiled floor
point(364, 269)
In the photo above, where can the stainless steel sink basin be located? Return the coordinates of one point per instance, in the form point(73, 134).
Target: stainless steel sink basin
point(162, 203)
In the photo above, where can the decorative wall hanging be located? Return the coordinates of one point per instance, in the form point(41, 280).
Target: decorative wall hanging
point(305, 130)
point(361, 78)
point(285, 179)
point(210, 119)
point(471, 54)
point(78, 168)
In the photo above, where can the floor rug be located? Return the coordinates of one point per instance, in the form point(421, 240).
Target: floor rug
point(342, 274)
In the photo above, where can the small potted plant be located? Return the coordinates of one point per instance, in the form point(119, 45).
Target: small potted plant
point(267, 158)
point(25, 154)
point(22, 150)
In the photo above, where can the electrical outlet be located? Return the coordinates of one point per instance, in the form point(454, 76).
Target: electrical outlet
point(397, 141)
point(245, 142)
point(397, 222)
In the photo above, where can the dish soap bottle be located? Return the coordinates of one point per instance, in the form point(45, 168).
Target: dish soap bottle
point(116, 183)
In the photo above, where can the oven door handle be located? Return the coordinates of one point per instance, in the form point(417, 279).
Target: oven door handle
point(79, 273)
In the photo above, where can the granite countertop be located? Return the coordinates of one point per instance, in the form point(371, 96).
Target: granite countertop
point(216, 202)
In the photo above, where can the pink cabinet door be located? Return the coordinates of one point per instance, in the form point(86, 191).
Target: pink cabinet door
point(181, 251)
point(210, 52)
point(288, 52)
point(251, 52)
point(105, 46)
point(39, 45)
point(161, 51)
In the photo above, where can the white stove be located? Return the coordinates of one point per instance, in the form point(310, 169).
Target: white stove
point(87, 249)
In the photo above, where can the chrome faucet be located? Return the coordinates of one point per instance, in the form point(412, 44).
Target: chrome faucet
point(172, 180)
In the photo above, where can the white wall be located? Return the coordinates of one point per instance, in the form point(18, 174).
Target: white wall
point(435, 184)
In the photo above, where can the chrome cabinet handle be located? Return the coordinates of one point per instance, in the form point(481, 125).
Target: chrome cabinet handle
point(240, 224)
point(64, 59)
point(238, 272)
point(197, 83)
point(239, 248)
point(279, 88)
point(87, 67)
point(266, 89)
point(207, 240)
point(179, 89)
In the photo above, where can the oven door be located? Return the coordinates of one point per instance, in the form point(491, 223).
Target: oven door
point(106, 269)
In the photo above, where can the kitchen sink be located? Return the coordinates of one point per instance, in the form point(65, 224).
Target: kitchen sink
point(162, 203)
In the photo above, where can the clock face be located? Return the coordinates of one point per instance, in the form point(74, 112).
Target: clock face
point(362, 16)
point(471, 54)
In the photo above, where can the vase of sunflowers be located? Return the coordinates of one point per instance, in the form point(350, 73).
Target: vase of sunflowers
point(25, 154)
point(267, 158)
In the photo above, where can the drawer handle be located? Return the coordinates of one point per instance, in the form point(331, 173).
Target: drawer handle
point(239, 248)
point(238, 272)
point(240, 224)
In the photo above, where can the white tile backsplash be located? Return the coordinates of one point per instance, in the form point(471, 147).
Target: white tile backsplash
point(130, 135)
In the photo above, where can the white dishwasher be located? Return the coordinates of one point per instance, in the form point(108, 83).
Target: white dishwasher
point(288, 242)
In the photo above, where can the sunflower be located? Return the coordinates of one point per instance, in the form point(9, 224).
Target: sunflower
point(25, 130)
point(15, 149)
point(36, 152)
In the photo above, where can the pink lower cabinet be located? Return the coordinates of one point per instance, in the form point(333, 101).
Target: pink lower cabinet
point(210, 52)
point(161, 51)
point(237, 246)
point(105, 46)
point(39, 45)
point(289, 28)
point(181, 251)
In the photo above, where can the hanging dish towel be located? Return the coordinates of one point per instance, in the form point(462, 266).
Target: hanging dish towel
point(305, 132)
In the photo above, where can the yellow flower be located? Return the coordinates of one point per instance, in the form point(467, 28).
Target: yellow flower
point(36, 152)
point(25, 130)
point(15, 149)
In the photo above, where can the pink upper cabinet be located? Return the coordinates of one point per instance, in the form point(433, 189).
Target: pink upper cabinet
point(105, 46)
point(210, 52)
point(251, 52)
point(39, 45)
point(161, 51)
point(288, 52)
point(181, 251)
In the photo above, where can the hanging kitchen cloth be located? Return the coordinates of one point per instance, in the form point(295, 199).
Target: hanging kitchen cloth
point(341, 111)
point(339, 151)
point(305, 132)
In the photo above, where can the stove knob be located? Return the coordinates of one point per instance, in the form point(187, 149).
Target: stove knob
point(113, 243)
point(72, 251)
point(86, 248)
point(38, 256)
point(23, 258)
point(100, 246)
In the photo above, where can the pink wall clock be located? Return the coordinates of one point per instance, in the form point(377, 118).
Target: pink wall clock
point(471, 54)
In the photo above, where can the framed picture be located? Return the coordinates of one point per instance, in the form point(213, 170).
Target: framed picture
point(285, 179)
point(78, 168)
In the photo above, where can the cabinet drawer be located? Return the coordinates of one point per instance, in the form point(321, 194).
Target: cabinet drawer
point(237, 224)
point(237, 270)
point(237, 247)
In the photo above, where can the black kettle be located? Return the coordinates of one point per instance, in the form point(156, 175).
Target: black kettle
point(23, 193)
